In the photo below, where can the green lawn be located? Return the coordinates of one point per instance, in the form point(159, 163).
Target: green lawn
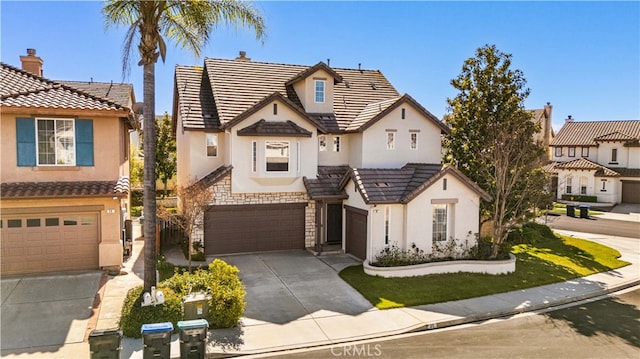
point(548, 261)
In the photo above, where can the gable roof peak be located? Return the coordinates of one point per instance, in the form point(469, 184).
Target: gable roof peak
point(337, 78)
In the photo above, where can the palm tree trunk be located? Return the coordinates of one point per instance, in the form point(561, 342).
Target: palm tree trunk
point(149, 199)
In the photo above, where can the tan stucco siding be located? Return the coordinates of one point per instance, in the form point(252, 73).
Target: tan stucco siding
point(330, 157)
point(108, 146)
point(305, 89)
point(110, 245)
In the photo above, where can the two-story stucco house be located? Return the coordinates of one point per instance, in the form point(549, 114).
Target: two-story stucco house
point(305, 156)
point(600, 159)
point(64, 174)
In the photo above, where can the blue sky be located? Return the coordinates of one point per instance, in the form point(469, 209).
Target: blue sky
point(583, 57)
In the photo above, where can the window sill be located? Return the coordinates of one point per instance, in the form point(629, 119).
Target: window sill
point(613, 163)
point(56, 168)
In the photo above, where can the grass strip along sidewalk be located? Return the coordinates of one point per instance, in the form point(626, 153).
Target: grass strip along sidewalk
point(549, 260)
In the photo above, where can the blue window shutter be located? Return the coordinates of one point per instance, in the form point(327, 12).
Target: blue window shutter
point(84, 142)
point(26, 141)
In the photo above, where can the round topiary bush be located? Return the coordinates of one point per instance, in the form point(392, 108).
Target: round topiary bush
point(134, 315)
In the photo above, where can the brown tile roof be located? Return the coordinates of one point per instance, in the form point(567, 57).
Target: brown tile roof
point(22, 89)
point(269, 128)
point(614, 136)
point(24, 190)
point(309, 71)
point(628, 172)
point(585, 133)
point(327, 183)
point(551, 167)
point(585, 164)
point(214, 177)
point(237, 86)
point(119, 93)
point(193, 99)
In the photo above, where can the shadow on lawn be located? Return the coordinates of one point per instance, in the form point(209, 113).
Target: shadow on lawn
point(610, 317)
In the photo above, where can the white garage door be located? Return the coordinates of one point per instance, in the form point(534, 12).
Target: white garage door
point(49, 243)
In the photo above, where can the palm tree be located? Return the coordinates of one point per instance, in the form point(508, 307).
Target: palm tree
point(188, 24)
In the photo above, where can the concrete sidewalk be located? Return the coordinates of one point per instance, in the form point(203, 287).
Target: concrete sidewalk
point(318, 329)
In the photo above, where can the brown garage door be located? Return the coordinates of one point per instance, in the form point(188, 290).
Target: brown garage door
point(630, 191)
point(254, 228)
point(356, 232)
point(49, 243)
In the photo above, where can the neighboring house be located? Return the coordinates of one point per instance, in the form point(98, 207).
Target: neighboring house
point(64, 175)
point(599, 159)
point(310, 156)
point(546, 135)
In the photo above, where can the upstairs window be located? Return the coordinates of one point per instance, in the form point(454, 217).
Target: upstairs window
point(277, 156)
point(414, 140)
point(391, 140)
point(336, 144)
point(558, 151)
point(319, 91)
point(322, 143)
point(212, 145)
point(614, 155)
point(572, 151)
point(585, 151)
point(56, 142)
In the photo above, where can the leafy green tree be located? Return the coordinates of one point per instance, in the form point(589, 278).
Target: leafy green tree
point(166, 163)
point(135, 167)
point(492, 140)
point(189, 25)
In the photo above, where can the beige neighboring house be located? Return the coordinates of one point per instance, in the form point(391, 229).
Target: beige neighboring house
point(64, 191)
point(315, 157)
point(546, 135)
point(599, 159)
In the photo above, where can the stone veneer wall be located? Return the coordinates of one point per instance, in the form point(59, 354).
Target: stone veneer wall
point(222, 196)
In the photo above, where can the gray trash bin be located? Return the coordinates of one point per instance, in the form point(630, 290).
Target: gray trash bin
point(105, 343)
point(156, 340)
point(193, 338)
point(584, 211)
point(571, 210)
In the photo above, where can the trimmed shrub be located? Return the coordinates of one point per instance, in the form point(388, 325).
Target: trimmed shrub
point(134, 315)
point(221, 282)
point(579, 198)
point(530, 233)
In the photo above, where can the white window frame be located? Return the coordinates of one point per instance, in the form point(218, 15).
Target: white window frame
point(298, 165)
point(584, 181)
point(72, 160)
point(439, 225)
point(336, 144)
point(387, 225)
point(214, 138)
point(391, 140)
point(254, 156)
point(319, 91)
point(568, 185)
point(266, 161)
point(413, 142)
point(322, 143)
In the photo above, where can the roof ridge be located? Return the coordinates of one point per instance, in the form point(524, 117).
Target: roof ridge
point(27, 73)
point(289, 64)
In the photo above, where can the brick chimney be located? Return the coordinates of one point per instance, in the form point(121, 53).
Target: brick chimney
point(243, 56)
point(32, 63)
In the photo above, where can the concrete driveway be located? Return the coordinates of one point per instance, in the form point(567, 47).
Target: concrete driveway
point(290, 285)
point(40, 314)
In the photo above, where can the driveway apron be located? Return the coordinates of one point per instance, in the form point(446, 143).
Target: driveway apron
point(46, 311)
point(290, 285)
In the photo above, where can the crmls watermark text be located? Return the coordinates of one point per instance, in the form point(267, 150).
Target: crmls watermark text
point(357, 350)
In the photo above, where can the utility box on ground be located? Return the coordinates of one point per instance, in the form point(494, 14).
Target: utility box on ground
point(105, 343)
point(193, 338)
point(196, 306)
point(156, 340)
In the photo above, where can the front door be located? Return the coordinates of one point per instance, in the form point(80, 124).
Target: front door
point(334, 223)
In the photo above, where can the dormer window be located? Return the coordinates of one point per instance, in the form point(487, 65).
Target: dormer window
point(319, 91)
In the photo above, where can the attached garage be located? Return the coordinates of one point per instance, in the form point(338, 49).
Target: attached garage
point(356, 232)
point(49, 242)
point(254, 228)
point(630, 191)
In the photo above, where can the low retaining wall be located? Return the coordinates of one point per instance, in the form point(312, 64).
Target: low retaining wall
point(471, 266)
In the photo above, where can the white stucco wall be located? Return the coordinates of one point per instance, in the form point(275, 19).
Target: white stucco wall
point(611, 193)
point(592, 154)
point(374, 140)
point(261, 181)
point(634, 157)
point(332, 158)
point(604, 154)
point(355, 150)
